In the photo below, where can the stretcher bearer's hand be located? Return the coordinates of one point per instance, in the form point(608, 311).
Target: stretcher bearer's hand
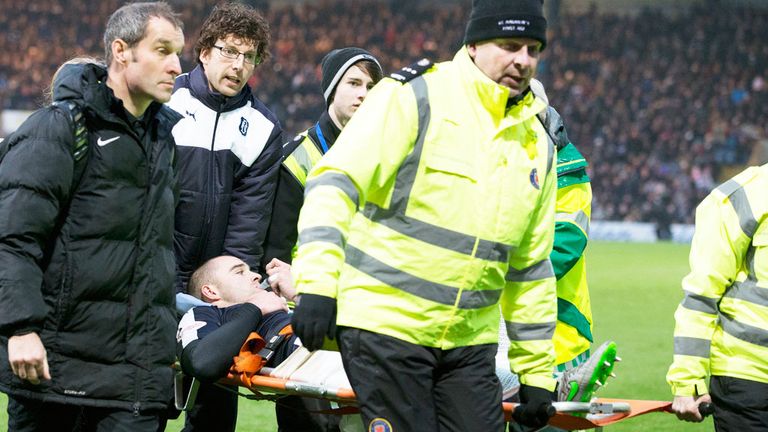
point(280, 279)
point(687, 407)
point(535, 407)
point(313, 319)
point(28, 359)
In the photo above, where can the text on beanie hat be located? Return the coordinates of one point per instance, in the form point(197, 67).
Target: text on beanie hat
point(491, 19)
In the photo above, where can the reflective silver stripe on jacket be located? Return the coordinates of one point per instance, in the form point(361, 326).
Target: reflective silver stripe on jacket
point(745, 332)
point(528, 332)
point(579, 218)
point(414, 285)
point(749, 259)
point(438, 236)
point(699, 303)
point(550, 155)
point(692, 346)
point(337, 180)
point(302, 157)
point(749, 291)
point(322, 234)
point(541, 270)
point(740, 202)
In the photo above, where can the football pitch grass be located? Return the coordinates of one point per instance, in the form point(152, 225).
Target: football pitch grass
point(635, 289)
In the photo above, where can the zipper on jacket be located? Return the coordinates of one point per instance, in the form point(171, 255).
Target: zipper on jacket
point(61, 301)
point(209, 189)
point(151, 160)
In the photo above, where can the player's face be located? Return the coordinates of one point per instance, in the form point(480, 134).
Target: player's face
point(350, 93)
point(227, 75)
point(235, 280)
point(153, 63)
point(510, 62)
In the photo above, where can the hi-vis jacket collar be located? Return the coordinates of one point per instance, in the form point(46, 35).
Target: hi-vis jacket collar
point(494, 96)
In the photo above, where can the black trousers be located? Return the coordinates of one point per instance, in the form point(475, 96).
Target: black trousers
point(405, 387)
point(215, 409)
point(299, 414)
point(32, 415)
point(740, 405)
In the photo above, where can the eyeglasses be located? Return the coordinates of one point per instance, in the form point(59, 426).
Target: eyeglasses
point(249, 57)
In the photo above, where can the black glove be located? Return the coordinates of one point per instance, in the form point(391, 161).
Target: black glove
point(535, 407)
point(313, 319)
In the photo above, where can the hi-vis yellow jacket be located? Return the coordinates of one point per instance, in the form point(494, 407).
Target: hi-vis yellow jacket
point(435, 204)
point(303, 158)
point(722, 322)
point(573, 334)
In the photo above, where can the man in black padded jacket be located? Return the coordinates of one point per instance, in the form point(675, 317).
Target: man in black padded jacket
point(86, 272)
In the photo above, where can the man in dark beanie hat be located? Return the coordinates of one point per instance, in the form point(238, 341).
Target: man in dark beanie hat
point(492, 19)
point(348, 74)
point(433, 215)
point(337, 62)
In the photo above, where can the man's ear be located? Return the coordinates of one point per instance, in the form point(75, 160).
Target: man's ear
point(205, 56)
point(209, 293)
point(121, 53)
point(472, 49)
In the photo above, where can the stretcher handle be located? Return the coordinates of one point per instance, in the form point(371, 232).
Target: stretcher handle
point(594, 407)
point(706, 409)
point(551, 411)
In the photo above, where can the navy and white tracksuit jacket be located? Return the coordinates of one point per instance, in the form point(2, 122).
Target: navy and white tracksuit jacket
point(229, 151)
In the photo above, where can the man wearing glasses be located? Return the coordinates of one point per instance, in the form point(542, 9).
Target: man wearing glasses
point(228, 150)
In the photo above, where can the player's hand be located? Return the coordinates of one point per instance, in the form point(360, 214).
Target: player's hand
point(687, 407)
point(313, 319)
point(535, 407)
point(267, 301)
point(28, 359)
point(280, 279)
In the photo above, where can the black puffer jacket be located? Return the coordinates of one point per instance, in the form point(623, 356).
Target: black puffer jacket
point(99, 290)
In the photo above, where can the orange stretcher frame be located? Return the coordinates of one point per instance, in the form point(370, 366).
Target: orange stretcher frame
point(261, 384)
point(247, 365)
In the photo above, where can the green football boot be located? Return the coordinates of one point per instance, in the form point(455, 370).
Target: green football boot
point(580, 383)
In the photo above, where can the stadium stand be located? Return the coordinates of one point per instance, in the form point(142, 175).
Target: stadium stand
point(662, 104)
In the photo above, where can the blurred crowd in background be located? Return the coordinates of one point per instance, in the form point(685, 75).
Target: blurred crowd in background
point(662, 105)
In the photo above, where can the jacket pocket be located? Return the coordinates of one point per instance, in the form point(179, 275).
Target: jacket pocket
point(65, 288)
point(450, 164)
point(444, 191)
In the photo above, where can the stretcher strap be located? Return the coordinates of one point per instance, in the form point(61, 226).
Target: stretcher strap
point(248, 362)
point(254, 354)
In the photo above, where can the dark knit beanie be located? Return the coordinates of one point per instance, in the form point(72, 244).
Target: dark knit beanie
point(336, 62)
point(491, 19)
